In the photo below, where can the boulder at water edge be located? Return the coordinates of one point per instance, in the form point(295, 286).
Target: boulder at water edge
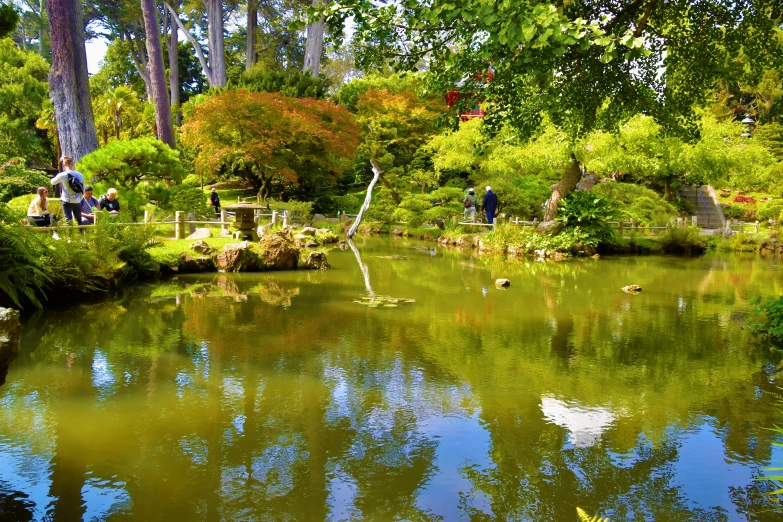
point(308, 231)
point(502, 283)
point(201, 247)
point(279, 251)
point(10, 332)
point(316, 261)
point(550, 228)
point(236, 257)
point(200, 233)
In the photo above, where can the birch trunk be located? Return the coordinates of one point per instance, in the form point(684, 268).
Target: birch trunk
point(173, 49)
point(69, 85)
point(217, 51)
point(252, 27)
point(567, 184)
point(160, 96)
point(376, 170)
point(205, 68)
point(314, 46)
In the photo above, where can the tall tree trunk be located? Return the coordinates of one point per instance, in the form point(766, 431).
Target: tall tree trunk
point(174, 68)
point(69, 85)
point(314, 46)
point(205, 68)
point(252, 27)
point(567, 183)
point(160, 96)
point(139, 59)
point(41, 29)
point(217, 51)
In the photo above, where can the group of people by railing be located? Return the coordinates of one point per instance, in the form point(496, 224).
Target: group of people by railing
point(78, 202)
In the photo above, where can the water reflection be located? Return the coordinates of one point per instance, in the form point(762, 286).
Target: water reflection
point(253, 397)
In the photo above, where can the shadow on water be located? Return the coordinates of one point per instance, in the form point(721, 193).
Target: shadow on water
point(275, 396)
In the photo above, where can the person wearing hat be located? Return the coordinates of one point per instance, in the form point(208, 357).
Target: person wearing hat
point(490, 205)
point(110, 202)
point(471, 202)
point(89, 205)
point(214, 201)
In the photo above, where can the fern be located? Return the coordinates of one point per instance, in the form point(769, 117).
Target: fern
point(584, 517)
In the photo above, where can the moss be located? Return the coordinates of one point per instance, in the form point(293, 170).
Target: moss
point(168, 252)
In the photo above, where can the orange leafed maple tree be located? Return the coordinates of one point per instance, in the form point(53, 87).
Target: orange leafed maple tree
point(267, 137)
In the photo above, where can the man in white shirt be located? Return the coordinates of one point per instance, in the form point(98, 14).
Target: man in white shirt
point(71, 188)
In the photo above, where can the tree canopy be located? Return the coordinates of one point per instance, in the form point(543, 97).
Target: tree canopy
point(265, 137)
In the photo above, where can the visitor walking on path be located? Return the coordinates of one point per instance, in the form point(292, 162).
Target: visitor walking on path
point(471, 202)
point(214, 201)
point(38, 212)
point(490, 205)
point(71, 188)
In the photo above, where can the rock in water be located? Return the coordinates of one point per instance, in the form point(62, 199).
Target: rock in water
point(279, 251)
point(201, 247)
point(632, 289)
point(188, 265)
point(502, 283)
point(201, 233)
point(316, 261)
point(550, 228)
point(10, 332)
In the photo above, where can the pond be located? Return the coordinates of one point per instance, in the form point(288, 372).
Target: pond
point(278, 397)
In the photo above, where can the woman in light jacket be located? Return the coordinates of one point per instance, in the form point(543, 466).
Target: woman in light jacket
point(38, 212)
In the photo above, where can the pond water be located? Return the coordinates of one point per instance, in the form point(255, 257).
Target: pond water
point(277, 397)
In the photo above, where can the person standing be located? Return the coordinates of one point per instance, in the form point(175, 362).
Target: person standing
point(214, 201)
point(110, 202)
point(471, 202)
point(38, 212)
point(89, 205)
point(490, 205)
point(71, 189)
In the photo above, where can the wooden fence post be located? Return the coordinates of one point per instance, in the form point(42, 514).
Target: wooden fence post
point(179, 226)
point(742, 226)
point(285, 219)
point(146, 216)
point(224, 222)
point(191, 217)
point(620, 226)
point(679, 222)
point(454, 220)
point(274, 217)
point(695, 221)
point(757, 226)
point(633, 223)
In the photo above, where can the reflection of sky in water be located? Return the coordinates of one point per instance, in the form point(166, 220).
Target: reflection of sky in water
point(342, 494)
point(462, 441)
point(584, 424)
point(102, 375)
point(23, 472)
point(103, 498)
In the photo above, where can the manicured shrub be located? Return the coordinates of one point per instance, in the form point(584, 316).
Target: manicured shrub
point(590, 214)
point(637, 202)
point(16, 180)
point(188, 199)
point(348, 203)
point(683, 240)
point(124, 164)
point(769, 209)
point(299, 209)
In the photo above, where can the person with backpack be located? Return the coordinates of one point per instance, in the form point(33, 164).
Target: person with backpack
point(471, 200)
point(490, 205)
point(71, 190)
point(214, 201)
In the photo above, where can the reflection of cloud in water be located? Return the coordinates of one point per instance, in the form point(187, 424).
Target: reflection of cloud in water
point(102, 376)
point(585, 424)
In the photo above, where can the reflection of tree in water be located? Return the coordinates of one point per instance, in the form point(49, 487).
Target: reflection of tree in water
point(204, 395)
